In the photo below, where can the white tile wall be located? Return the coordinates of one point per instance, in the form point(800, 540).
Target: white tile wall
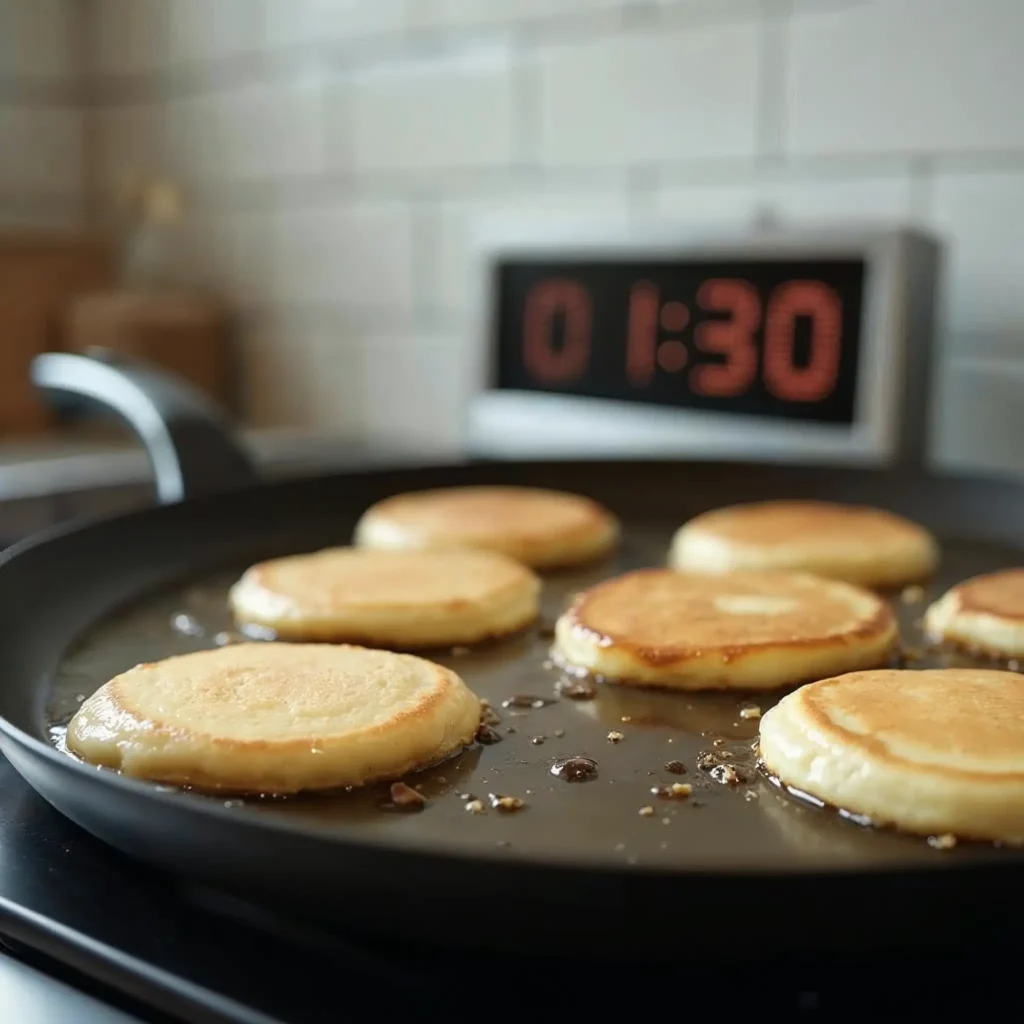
point(907, 75)
point(706, 206)
point(491, 12)
point(289, 22)
point(128, 140)
point(256, 132)
point(344, 183)
point(981, 217)
point(129, 36)
point(433, 114)
point(460, 223)
point(649, 96)
point(36, 40)
point(414, 387)
point(40, 149)
point(303, 371)
point(41, 121)
point(351, 254)
point(201, 30)
point(978, 416)
point(802, 200)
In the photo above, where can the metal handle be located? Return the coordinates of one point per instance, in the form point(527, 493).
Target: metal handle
point(187, 438)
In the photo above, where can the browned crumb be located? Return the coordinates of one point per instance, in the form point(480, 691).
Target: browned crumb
point(727, 774)
point(505, 803)
point(912, 594)
point(707, 760)
point(675, 767)
point(576, 689)
point(647, 812)
point(944, 842)
point(752, 712)
point(489, 716)
point(538, 740)
point(406, 797)
point(487, 734)
point(475, 807)
point(615, 737)
point(677, 791)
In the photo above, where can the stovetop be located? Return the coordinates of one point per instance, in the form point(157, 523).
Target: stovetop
point(88, 935)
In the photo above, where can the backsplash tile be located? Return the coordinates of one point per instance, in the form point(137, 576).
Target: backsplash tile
point(260, 131)
point(338, 157)
point(981, 216)
point(460, 224)
point(40, 149)
point(350, 254)
point(906, 75)
point(645, 97)
point(434, 114)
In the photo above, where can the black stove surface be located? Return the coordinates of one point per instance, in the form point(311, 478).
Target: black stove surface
point(180, 953)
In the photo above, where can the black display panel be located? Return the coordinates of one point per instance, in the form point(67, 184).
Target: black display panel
point(766, 337)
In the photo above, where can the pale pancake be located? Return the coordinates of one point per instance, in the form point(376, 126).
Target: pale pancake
point(276, 718)
point(543, 529)
point(404, 599)
point(749, 630)
point(859, 545)
point(984, 614)
point(936, 751)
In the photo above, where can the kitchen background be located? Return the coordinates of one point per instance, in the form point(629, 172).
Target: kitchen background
point(334, 156)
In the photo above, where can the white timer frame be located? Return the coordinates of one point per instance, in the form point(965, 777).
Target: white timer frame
point(893, 379)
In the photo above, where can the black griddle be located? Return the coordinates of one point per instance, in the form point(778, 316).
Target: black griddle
point(542, 887)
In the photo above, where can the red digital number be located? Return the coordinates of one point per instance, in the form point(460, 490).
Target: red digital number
point(817, 380)
point(642, 333)
point(733, 338)
point(544, 302)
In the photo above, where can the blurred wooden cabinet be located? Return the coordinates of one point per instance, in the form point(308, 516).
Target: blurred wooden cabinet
point(183, 332)
point(40, 275)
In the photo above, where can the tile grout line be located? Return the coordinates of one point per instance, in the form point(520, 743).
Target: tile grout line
point(772, 105)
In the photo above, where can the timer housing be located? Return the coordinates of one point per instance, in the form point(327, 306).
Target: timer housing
point(798, 346)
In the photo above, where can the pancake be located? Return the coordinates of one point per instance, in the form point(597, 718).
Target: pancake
point(749, 630)
point(860, 545)
point(984, 614)
point(542, 529)
point(276, 718)
point(936, 751)
point(403, 599)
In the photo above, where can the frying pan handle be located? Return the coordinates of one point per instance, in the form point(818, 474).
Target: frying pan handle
point(187, 438)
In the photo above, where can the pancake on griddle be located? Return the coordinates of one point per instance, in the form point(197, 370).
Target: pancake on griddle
point(747, 630)
point(935, 751)
point(276, 718)
point(984, 614)
point(402, 599)
point(860, 545)
point(541, 528)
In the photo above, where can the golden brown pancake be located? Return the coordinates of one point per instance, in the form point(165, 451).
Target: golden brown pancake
point(936, 751)
point(543, 529)
point(860, 545)
point(276, 718)
point(984, 614)
point(747, 630)
point(403, 599)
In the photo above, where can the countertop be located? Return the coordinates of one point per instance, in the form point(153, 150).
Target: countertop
point(55, 466)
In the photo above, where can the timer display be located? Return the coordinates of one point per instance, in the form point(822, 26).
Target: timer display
point(774, 338)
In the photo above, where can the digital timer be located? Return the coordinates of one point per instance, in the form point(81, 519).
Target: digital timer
point(776, 340)
point(782, 345)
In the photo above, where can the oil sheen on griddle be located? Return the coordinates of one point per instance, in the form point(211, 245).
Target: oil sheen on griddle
point(582, 795)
